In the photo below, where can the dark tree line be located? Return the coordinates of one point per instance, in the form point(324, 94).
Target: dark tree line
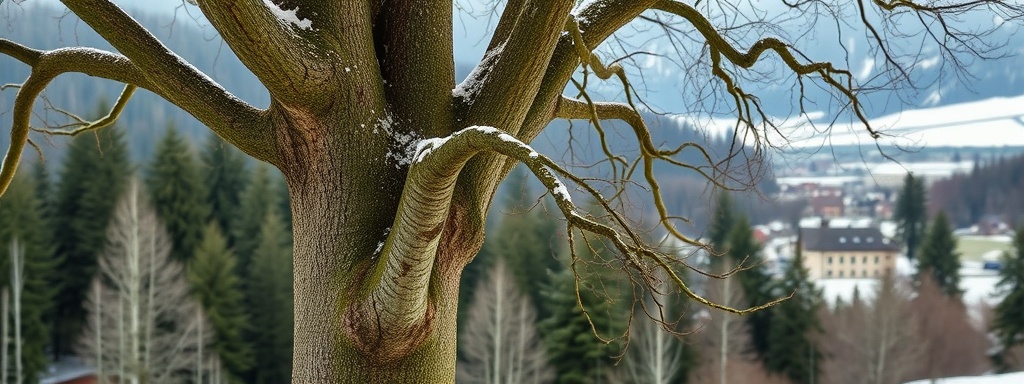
point(993, 188)
point(228, 222)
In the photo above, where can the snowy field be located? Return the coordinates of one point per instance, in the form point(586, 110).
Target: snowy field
point(979, 284)
point(977, 289)
point(1008, 378)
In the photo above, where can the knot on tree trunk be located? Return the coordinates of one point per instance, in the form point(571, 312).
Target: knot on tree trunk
point(382, 342)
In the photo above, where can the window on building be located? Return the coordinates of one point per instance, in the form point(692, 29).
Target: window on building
point(864, 260)
point(876, 273)
point(864, 273)
point(830, 273)
point(840, 273)
point(830, 259)
point(840, 259)
point(876, 259)
point(853, 259)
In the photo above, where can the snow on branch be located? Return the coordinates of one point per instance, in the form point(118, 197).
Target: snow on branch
point(289, 17)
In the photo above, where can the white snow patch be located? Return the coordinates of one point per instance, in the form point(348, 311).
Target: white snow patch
point(561, 191)
point(1007, 378)
point(472, 84)
point(288, 17)
point(380, 245)
point(402, 150)
point(424, 147)
point(534, 154)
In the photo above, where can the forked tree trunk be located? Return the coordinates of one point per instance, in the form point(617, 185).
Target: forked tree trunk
point(340, 223)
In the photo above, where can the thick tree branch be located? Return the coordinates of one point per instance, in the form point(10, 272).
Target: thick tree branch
point(19, 131)
point(417, 64)
point(173, 78)
point(291, 57)
point(508, 22)
point(498, 92)
point(597, 20)
point(20, 52)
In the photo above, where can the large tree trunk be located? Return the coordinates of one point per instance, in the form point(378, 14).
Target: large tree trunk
point(343, 208)
point(332, 342)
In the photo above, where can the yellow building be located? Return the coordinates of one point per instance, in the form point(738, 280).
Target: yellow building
point(835, 253)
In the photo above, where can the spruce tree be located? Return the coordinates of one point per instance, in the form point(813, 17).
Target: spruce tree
point(910, 215)
point(256, 201)
point(95, 172)
point(753, 279)
point(722, 222)
point(939, 257)
point(792, 349)
point(573, 350)
point(514, 188)
point(214, 280)
point(225, 177)
point(23, 230)
point(177, 193)
point(527, 243)
point(269, 292)
point(1008, 324)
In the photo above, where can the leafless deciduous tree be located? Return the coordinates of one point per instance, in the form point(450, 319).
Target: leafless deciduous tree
point(392, 166)
point(500, 341)
point(144, 326)
point(655, 354)
point(875, 343)
point(723, 342)
point(952, 345)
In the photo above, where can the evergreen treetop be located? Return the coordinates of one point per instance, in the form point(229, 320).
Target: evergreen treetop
point(792, 349)
point(94, 174)
point(723, 221)
point(225, 176)
point(753, 278)
point(23, 230)
point(1008, 324)
point(213, 276)
point(269, 294)
point(177, 192)
point(910, 214)
point(939, 257)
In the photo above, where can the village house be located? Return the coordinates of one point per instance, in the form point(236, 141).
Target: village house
point(830, 253)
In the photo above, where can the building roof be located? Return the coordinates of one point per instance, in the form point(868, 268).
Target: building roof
point(846, 239)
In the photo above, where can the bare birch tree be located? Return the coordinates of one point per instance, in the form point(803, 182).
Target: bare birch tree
point(17, 286)
point(144, 327)
point(953, 345)
point(724, 340)
point(655, 355)
point(875, 343)
point(500, 341)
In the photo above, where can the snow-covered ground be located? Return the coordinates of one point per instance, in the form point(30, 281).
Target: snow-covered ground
point(993, 122)
point(1007, 378)
point(979, 285)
